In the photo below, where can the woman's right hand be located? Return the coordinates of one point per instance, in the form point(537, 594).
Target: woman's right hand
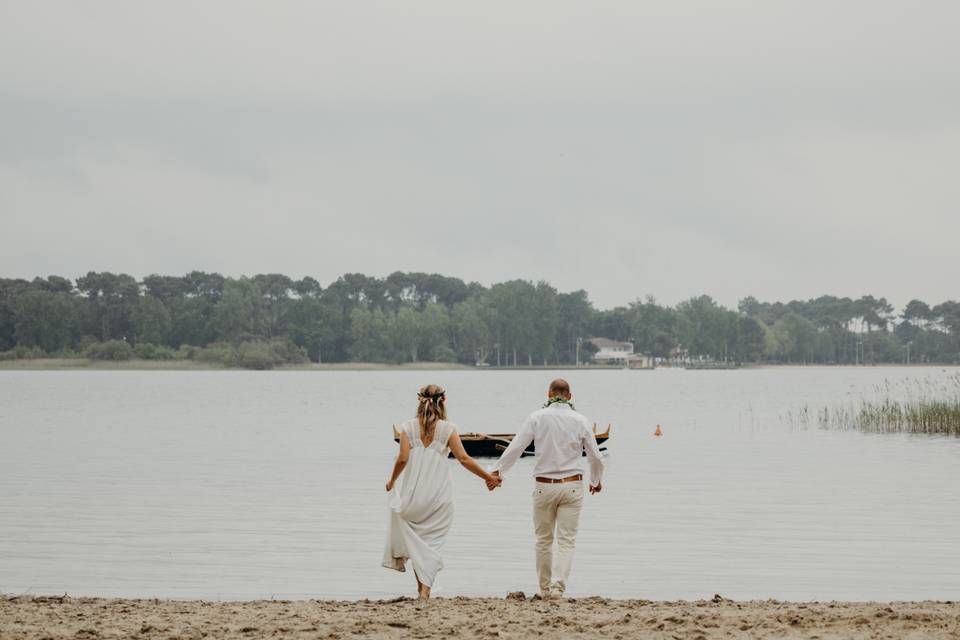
point(390, 486)
point(493, 481)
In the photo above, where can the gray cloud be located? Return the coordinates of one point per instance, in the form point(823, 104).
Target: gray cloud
point(774, 149)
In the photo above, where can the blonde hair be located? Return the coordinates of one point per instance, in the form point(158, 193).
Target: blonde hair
point(432, 407)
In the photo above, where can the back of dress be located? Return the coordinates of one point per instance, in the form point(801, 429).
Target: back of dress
point(422, 508)
point(427, 478)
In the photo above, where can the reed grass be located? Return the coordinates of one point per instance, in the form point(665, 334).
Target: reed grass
point(924, 406)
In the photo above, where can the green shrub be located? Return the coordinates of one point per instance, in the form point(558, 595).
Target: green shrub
point(187, 352)
point(85, 343)
point(251, 354)
point(21, 352)
point(149, 351)
point(257, 355)
point(110, 350)
point(217, 353)
point(287, 352)
point(443, 353)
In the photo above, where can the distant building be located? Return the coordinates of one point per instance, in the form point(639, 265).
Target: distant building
point(679, 354)
point(640, 361)
point(615, 352)
point(611, 351)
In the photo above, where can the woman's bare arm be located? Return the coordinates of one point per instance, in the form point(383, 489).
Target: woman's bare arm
point(471, 465)
point(401, 461)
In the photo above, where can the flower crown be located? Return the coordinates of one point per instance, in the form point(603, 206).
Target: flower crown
point(437, 395)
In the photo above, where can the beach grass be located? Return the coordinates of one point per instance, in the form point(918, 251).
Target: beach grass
point(921, 406)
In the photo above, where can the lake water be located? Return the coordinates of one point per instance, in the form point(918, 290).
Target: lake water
point(235, 484)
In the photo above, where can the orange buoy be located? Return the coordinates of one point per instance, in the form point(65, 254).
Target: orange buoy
point(658, 432)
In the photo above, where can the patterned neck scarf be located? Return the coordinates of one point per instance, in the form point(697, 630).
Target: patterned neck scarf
point(559, 400)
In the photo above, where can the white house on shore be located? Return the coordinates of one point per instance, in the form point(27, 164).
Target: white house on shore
point(615, 352)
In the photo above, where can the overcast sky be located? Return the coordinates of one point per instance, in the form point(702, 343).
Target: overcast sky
point(775, 149)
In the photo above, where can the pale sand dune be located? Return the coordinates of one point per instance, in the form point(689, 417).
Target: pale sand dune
point(28, 617)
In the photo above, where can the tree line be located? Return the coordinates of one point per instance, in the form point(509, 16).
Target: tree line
point(408, 317)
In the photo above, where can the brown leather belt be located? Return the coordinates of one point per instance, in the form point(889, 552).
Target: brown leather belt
point(559, 480)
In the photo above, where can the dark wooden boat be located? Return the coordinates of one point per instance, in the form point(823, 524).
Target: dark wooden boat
point(491, 445)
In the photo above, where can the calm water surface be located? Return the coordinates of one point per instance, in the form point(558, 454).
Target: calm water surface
point(230, 484)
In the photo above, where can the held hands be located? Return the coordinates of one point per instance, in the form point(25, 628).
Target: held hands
point(494, 481)
point(596, 489)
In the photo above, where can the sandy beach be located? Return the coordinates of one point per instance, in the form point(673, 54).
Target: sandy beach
point(36, 617)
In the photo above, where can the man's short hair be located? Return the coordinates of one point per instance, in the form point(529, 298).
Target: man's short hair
point(559, 387)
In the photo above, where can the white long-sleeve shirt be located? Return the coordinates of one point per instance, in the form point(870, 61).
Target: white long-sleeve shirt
point(560, 436)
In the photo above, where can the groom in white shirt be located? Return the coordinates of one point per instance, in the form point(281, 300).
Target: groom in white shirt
point(560, 436)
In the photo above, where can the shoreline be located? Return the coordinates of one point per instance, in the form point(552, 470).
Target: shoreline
point(86, 364)
point(27, 617)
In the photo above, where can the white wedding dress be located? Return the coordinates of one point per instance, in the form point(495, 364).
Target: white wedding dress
point(421, 505)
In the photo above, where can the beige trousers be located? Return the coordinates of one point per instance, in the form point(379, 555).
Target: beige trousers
point(556, 513)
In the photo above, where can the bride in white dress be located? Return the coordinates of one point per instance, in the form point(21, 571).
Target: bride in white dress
point(421, 507)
